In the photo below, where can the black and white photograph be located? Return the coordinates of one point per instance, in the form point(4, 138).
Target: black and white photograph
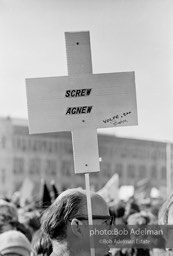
point(86, 127)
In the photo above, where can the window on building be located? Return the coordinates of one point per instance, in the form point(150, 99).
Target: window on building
point(50, 147)
point(17, 186)
point(154, 154)
point(36, 145)
point(51, 167)
point(142, 172)
point(106, 169)
point(18, 165)
point(3, 141)
point(102, 150)
point(14, 143)
point(2, 176)
point(18, 143)
point(35, 166)
point(163, 173)
point(23, 144)
point(68, 148)
point(125, 152)
point(131, 171)
point(135, 153)
point(119, 169)
point(67, 168)
point(56, 147)
point(153, 172)
point(44, 146)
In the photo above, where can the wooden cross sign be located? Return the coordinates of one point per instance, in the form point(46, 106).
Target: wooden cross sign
point(81, 102)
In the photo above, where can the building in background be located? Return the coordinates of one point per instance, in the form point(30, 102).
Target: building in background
point(50, 156)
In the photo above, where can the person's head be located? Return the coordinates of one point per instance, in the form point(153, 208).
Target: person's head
point(14, 243)
point(117, 211)
point(131, 208)
point(8, 216)
point(30, 221)
point(66, 222)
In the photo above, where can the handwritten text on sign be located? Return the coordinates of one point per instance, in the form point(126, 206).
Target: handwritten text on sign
point(117, 119)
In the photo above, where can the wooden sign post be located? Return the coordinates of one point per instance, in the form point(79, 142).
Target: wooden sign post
point(81, 103)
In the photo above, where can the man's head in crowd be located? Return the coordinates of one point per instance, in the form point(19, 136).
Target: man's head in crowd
point(9, 219)
point(66, 223)
point(14, 243)
point(8, 216)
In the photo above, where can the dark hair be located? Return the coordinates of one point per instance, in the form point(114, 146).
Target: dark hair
point(55, 218)
point(134, 208)
point(24, 229)
point(41, 243)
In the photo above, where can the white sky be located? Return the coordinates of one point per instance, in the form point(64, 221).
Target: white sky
point(126, 35)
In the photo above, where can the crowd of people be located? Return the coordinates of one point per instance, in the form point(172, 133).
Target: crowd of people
point(60, 228)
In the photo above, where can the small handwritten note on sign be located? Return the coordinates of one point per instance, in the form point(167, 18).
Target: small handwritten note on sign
point(82, 101)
